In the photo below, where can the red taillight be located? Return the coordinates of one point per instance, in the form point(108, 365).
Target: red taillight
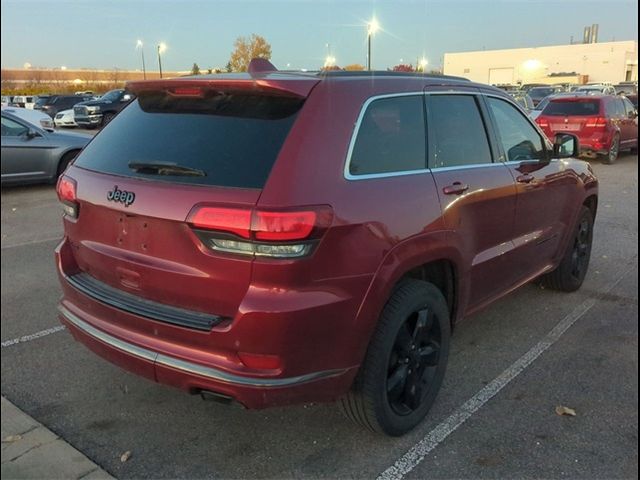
point(283, 226)
point(66, 190)
point(232, 220)
point(596, 122)
point(269, 233)
point(543, 122)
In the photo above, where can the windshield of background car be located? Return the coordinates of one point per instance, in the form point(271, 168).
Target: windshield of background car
point(233, 139)
point(580, 107)
point(42, 101)
point(540, 92)
point(111, 96)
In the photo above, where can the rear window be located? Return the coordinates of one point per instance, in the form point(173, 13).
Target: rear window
point(573, 107)
point(228, 140)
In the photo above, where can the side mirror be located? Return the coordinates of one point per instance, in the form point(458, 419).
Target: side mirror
point(31, 133)
point(566, 145)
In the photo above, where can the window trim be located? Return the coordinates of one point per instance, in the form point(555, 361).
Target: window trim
point(356, 129)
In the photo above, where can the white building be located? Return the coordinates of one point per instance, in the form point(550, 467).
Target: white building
point(578, 63)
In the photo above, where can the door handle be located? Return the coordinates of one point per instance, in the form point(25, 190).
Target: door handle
point(526, 178)
point(456, 188)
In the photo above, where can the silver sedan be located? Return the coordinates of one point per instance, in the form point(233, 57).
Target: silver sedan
point(31, 154)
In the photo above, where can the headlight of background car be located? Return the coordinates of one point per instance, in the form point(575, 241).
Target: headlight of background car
point(93, 110)
point(46, 123)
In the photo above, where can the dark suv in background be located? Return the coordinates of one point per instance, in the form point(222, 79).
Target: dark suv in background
point(274, 238)
point(52, 104)
point(99, 112)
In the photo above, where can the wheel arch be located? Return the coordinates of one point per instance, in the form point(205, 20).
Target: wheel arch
point(427, 257)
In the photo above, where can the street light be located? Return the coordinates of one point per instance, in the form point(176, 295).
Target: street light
point(140, 46)
point(162, 47)
point(372, 27)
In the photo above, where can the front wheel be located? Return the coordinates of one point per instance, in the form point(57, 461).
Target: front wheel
point(106, 118)
point(405, 363)
point(570, 274)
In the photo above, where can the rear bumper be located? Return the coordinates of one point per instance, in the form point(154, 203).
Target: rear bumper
point(252, 392)
point(314, 341)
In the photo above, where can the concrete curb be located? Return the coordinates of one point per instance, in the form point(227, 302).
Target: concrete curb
point(32, 451)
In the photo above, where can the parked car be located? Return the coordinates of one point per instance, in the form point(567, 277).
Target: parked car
point(633, 99)
point(295, 238)
point(538, 93)
point(604, 124)
point(523, 99)
point(65, 118)
point(99, 112)
point(626, 89)
point(595, 88)
point(23, 101)
point(32, 154)
point(53, 104)
point(6, 100)
point(35, 117)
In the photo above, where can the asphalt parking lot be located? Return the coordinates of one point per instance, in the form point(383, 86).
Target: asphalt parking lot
point(510, 367)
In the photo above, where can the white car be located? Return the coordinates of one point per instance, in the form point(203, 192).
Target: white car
point(65, 118)
point(35, 117)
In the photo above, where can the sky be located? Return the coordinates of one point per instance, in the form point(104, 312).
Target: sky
point(302, 33)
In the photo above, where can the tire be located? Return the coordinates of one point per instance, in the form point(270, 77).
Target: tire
point(64, 163)
point(106, 118)
point(405, 362)
point(614, 150)
point(570, 274)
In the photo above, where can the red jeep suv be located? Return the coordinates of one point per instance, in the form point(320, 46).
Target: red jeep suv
point(273, 238)
point(604, 124)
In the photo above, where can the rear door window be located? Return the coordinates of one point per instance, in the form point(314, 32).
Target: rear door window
point(457, 131)
point(225, 139)
point(390, 138)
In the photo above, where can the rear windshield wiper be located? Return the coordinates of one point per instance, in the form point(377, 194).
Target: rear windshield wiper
point(166, 168)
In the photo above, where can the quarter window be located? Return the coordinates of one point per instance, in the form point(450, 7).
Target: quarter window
point(391, 137)
point(457, 131)
point(519, 139)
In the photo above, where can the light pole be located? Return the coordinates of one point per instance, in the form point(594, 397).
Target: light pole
point(161, 48)
point(372, 27)
point(141, 47)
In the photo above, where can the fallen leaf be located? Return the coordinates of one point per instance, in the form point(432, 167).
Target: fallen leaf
point(125, 456)
point(566, 411)
point(11, 438)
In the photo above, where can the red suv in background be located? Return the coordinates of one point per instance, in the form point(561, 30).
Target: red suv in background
point(604, 124)
point(273, 238)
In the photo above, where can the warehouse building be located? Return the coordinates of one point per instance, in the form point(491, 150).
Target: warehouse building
point(577, 63)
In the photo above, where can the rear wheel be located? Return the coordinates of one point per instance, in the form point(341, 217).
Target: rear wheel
point(64, 163)
point(614, 151)
point(570, 274)
point(405, 362)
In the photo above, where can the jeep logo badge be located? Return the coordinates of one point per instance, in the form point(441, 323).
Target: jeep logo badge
point(121, 196)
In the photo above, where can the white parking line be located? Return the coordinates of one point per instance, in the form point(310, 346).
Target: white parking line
point(420, 450)
point(33, 336)
point(31, 242)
